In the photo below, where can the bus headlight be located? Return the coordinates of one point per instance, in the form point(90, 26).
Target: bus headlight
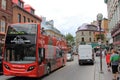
point(31, 68)
point(6, 66)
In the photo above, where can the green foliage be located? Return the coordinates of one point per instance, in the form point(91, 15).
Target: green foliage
point(70, 39)
point(102, 36)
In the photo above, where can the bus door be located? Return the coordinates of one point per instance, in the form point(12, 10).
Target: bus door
point(41, 58)
point(59, 58)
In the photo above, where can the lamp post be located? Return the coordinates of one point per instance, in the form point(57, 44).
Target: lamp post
point(99, 19)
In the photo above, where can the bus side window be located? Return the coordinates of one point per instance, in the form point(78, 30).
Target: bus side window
point(41, 54)
point(61, 53)
point(58, 53)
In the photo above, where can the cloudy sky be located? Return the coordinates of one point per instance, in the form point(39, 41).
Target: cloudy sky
point(68, 15)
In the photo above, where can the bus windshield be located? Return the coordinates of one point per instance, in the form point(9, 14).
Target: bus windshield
point(22, 29)
point(20, 43)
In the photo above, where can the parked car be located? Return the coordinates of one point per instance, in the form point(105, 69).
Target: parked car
point(70, 57)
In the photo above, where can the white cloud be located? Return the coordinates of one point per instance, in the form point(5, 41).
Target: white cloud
point(68, 15)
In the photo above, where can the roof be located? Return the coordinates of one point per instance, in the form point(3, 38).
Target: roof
point(28, 6)
point(35, 16)
point(49, 27)
point(88, 27)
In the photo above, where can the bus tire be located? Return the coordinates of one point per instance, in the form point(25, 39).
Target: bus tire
point(48, 69)
point(63, 63)
point(92, 63)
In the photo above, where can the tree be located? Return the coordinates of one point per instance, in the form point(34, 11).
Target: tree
point(70, 39)
point(98, 36)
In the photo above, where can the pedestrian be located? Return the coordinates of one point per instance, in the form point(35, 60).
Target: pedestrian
point(103, 52)
point(43, 31)
point(108, 60)
point(114, 58)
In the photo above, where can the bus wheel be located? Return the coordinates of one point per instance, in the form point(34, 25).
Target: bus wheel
point(63, 63)
point(48, 70)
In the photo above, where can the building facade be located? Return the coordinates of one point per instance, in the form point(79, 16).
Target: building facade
point(24, 13)
point(5, 18)
point(50, 29)
point(85, 34)
point(104, 27)
point(113, 7)
point(14, 11)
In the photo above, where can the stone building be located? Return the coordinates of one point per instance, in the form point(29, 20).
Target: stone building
point(85, 34)
point(113, 8)
point(104, 26)
point(50, 29)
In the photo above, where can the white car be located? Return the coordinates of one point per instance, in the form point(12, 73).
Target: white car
point(70, 57)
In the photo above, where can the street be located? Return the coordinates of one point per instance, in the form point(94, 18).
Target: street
point(72, 71)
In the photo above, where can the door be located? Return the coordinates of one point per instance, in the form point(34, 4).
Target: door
point(41, 58)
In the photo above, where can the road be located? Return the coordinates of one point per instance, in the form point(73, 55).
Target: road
point(72, 71)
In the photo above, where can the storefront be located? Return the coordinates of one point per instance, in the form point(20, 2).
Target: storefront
point(116, 37)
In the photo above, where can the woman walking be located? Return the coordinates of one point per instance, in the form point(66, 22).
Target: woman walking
point(108, 60)
point(114, 64)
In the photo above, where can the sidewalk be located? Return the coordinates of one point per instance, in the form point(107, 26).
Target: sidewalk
point(102, 76)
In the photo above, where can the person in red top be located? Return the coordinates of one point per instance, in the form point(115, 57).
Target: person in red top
point(108, 60)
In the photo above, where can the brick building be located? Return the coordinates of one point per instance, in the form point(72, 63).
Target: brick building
point(14, 11)
point(24, 13)
point(5, 18)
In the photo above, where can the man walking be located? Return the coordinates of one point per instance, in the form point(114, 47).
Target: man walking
point(114, 64)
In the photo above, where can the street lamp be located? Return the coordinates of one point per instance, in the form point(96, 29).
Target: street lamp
point(99, 19)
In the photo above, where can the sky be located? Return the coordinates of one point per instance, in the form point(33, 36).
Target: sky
point(68, 15)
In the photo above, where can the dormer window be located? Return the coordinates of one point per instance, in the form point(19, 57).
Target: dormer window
point(29, 9)
point(20, 3)
point(32, 11)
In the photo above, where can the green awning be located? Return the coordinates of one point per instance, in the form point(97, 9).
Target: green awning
point(95, 45)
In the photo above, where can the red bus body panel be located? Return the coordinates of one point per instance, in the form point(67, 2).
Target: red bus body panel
point(18, 69)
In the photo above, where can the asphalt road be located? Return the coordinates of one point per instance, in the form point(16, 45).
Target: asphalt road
point(72, 71)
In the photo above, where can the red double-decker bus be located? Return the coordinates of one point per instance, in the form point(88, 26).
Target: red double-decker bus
point(29, 53)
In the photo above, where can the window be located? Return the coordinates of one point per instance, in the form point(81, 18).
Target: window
point(2, 25)
point(58, 53)
point(28, 19)
point(24, 18)
point(24, 54)
point(82, 39)
point(50, 42)
point(41, 52)
point(4, 4)
point(90, 39)
point(82, 33)
point(32, 11)
point(19, 17)
point(89, 32)
point(31, 20)
point(20, 4)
